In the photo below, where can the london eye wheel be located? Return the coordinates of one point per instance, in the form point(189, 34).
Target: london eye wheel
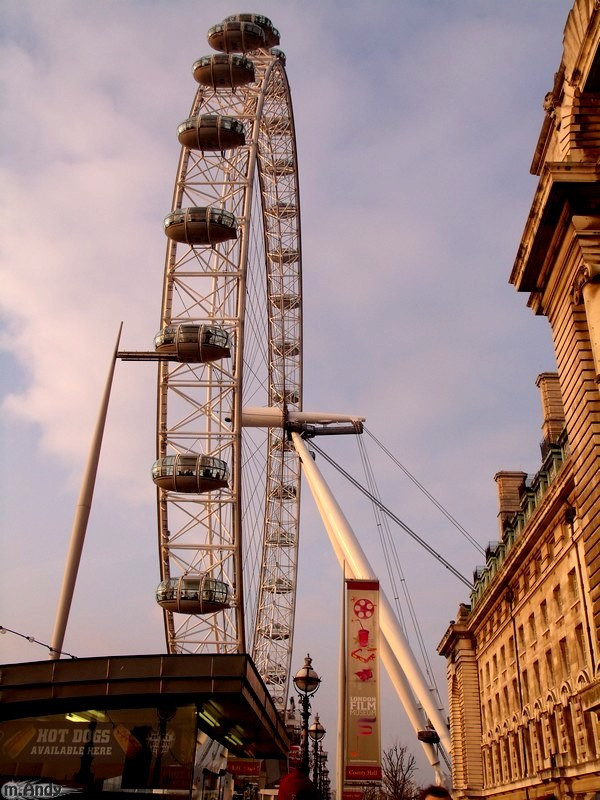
point(231, 337)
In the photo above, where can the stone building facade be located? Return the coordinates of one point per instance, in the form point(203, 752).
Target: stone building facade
point(524, 656)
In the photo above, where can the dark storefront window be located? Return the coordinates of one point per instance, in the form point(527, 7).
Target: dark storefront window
point(103, 751)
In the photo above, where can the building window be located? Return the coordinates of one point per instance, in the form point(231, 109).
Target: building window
point(544, 613)
point(511, 648)
point(558, 602)
point(503, 658)
point(536, 675)
point(529, 766)
point(553, 733)
point(570, 733)
point(580, 646)
point(521, 638)
point(495, 666)
point(549, 668)
point(589, 721)
point(564, 657)
point(573, 589)
point(514, 755)
point(539, 735)
point(525, 686)
point(532, 631)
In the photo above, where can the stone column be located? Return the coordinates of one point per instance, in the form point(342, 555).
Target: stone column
point(460, 649)
point(587, 283)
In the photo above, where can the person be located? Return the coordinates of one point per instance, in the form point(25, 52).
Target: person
point(296, 786)
point(435, 793)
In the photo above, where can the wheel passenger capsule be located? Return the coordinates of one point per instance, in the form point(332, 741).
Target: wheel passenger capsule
point(279, 586)
point(281, 395)
point(281, 538)
point(200, 225)
point(190, 473)
point(223, 71)
point(279, 166)
point(193, 343)
point(211, 132)
point(276, 631)
point(285, 301)
point(271, 34)
point(287, 348)
point(236, 36)
point(193, 594)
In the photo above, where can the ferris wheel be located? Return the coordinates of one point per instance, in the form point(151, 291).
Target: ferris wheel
point(231, 336)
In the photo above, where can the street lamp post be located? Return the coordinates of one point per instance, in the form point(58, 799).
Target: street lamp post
point(316, 733)
point(306, 682)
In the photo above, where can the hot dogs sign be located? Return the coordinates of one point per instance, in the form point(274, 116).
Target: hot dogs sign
point(362, 750)
point(144, 748)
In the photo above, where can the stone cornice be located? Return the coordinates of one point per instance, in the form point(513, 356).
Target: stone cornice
point(454, 632)
point(575, 183)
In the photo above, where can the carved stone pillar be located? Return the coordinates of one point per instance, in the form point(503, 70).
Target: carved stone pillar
point(587, 283)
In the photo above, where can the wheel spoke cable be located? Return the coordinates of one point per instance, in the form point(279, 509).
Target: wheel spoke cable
point(432, 551)
point(427, 494)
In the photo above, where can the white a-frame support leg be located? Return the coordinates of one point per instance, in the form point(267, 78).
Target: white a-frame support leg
point(397, 656)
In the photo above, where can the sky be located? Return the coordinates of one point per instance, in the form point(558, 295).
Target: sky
point(416, 123)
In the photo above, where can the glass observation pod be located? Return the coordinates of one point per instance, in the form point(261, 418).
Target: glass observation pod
point(223, 71)
point(284, 492)
point(282, 210)
point(282, 443)
point(274, 124)
point(276, 674)
point(278, 586)
point(281, 538)
point(236, 36)
point(279, 55)
point(211, 132)
point(285, 396)
point(190, 473)
point(280, 166)
point(285, 300)
point(276, 631)
point(193, 343)
point(193, 594)
point(206, 225)
point(288, 348)
point(285, 256)
point(270, 32)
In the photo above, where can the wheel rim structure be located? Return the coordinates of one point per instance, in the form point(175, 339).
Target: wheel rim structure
point(244, 535)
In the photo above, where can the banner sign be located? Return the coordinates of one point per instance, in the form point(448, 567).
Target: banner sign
point(243, 767)
point(363, 750)
point(352, 794)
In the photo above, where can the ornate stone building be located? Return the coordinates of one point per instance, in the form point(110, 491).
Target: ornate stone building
point(524, 656)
